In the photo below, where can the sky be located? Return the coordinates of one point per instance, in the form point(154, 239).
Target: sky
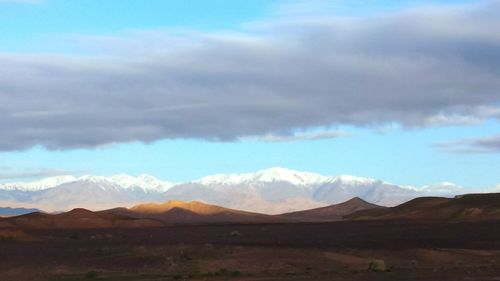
point(404, 91)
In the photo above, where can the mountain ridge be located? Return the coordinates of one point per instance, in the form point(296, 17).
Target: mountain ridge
point(273, 191)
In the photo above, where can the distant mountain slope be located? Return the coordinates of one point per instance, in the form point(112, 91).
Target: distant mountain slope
point(333, 212)
point(278, 190)
point(191, 213)
point(77, 218)
point(16, 211)
point(465, 207)
point(270, 191)
point(144, 182)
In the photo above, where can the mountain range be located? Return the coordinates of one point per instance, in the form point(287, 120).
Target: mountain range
point(270, 191)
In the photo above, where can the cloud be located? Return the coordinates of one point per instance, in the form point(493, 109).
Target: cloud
point(8, 173)
point(308, 136)
point(416, 68)
point(489, 144)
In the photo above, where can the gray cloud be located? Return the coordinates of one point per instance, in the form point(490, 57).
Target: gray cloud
point(489, 144)
point(9, 173)
point(422, 67)
point(308, 136)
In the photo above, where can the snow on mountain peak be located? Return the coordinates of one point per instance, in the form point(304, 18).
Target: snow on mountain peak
point(442, 187)
point(276, 174)
point(144, 182)
point(38, 185)
point(352, 180)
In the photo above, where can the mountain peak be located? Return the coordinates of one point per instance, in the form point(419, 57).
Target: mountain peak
point(276, 174)
point(356, 200)
point(333, 212)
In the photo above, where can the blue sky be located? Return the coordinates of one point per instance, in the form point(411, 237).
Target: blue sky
point(24, 23)
point(38, 25)
point(407, 150)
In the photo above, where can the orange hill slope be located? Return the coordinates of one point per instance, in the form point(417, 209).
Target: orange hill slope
point(333, 212)
point(179, 212)
point(464, 207)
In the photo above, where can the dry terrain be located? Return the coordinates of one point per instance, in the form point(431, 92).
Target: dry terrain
point(291, 251)
point(425, 239)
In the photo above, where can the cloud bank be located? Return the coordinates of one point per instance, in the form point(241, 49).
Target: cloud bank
point(419, 67)
point(9, 173)
point(488, 144)
point(305, 136)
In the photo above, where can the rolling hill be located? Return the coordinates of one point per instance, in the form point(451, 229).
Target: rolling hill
point(194, 212)
point(75, 219)
point(465, 207)
point(334, 212)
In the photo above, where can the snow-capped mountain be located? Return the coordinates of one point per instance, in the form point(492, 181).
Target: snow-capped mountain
point(278, 190)
point(93, 192)
point(145, 182)
point(275, 190)
point(272, 175)
point(38, 185)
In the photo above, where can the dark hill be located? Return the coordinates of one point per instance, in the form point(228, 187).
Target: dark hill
point(333, 212)
point(465, 207)
point(77, 218)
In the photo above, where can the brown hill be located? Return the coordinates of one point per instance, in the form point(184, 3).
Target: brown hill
point(178, 212)
point(333, 212)
point(464, 207)
point(77, 218)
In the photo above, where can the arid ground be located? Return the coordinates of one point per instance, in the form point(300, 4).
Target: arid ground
point(410, 250)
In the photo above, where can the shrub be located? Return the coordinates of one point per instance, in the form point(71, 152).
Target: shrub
point(235, 233)
point(377, 266)
point(236, 273)
point(92, 274)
